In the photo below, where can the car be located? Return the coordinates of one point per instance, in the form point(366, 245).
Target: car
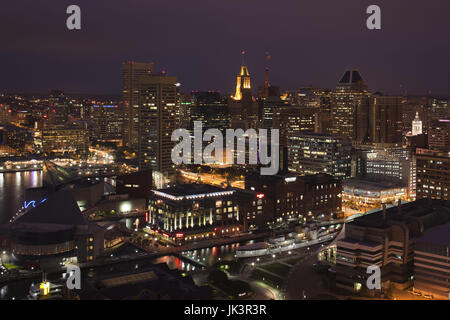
point(428, 296)
point(417, 293)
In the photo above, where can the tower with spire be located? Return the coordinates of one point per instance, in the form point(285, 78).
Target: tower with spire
point(416, 125)
point(242, 106)
point(242, 81)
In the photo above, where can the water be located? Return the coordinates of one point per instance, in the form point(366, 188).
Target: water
point(12, 191)
point(207, 257)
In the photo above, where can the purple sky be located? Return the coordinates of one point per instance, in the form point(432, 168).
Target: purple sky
point(311, 42)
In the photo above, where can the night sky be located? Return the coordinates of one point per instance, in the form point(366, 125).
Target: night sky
point(311, 43)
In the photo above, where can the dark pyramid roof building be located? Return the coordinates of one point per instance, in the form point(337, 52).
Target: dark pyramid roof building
point(54, 175)
point(60, 208)
point(351, 76)
point(54, 228)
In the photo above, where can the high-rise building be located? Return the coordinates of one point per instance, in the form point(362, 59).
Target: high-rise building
point(108, 123)
point(433, 174)
point(416, 125)
point(439, 135)
point(292, 120)
point(314, 153)
point(350, 107)
point(385, 119)
point(5, 114)
point(131, 73)
point(58, 108)
point(157, 118)
point(209, 108)
point(243, 108)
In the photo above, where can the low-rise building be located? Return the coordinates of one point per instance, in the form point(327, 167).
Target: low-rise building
point(432, 262)
point(385, 239)
point(198, 210)
point(291, 197)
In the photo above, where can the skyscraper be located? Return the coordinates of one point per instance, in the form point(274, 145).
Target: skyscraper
point(131, 72)
point(416, 125)
point(58, 108)
point(385, 119)
point(243, 107)
point(314, 153)
point(349, 107)
point(433, 174)
point(439, 135)
point(157, 118)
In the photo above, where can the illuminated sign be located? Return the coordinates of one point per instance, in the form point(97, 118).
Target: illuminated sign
point(33, 203)
point(179, 235)
point(290, 179)
point(260, 195)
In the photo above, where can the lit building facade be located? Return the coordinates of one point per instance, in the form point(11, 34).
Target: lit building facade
point(387, 239)
point(291, 197)
point(432, 262)
point(433, 174)
point(242, 106)
point(195, 211)
point(66, 139)
point(131, 73)
point(350, 107)
point(439, 135)
point(314, 153)
point(158, 117)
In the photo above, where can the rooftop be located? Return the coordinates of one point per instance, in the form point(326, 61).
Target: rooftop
point(191, 191)
point(430, 213)
point(439, 235)
point(371, 185)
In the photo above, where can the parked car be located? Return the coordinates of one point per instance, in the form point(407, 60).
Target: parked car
point(428, 296)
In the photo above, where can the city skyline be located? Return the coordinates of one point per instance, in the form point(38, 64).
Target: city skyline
point(239, 150)
point(310, 44)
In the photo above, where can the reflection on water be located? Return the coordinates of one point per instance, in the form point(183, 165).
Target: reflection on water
point(12, 191)
point(195, 259)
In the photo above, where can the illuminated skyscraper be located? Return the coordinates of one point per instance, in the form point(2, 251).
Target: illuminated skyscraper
point(416, 125)
point(385, 119)
point(158, 117)
point(131, 72)
point(350, 107)
point(243, 107)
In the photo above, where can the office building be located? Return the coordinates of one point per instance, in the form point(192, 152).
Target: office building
point(433, 174)
point(210, 108)
point(65, 139)
point(158, 117)
point(350, 107)
point(439, 135)
point(385, 119)
point(108, 123)
point(314, 153)
point(131, 73)
point(290, 197)
point(432, 262)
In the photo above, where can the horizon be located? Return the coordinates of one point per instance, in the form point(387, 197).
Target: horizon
point(200, 43)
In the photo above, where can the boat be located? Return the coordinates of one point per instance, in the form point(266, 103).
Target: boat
point(279, 245)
